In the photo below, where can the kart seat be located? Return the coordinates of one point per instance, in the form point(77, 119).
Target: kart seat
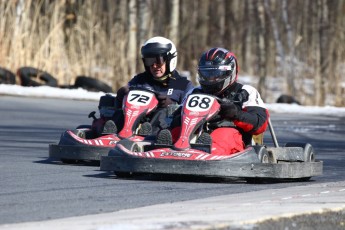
point(258, 139)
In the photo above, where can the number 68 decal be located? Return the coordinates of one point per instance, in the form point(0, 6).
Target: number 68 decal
point(139, 98)
point(199, 102)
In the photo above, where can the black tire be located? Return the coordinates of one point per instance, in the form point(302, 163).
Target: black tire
point(130, 145)
point(66, 86)
point(30, 76)
point(69, 161)
point(92, 84)
point(264, 156)
point(287, 99)
point(309, 154)
point(7, 77)
point(254, 180)
point(85, 132)
point(84, 127)
point(123, 174)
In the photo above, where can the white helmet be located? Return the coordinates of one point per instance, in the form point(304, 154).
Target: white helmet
point(159, 49)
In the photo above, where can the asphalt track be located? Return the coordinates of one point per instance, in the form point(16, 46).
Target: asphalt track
point(37, 193)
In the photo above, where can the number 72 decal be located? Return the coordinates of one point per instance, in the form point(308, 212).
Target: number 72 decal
point(139, 98)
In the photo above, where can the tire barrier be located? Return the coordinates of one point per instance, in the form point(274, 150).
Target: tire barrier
point(92, 84)
point(30, 76)
point(287, 99)
point(7, 77)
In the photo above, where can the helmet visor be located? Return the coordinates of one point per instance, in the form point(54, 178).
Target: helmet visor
point(212, 75)
point(149, 61)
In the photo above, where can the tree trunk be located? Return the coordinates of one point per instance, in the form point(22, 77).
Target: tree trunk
point(174, 22)
point(279, 46)
point(324, 55)
point(291, 58)
point(245, 57)
point(261, 47)
point(143, 21)
point(339, 51)
point(132, 39)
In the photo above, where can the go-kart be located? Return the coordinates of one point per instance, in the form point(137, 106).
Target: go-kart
point(82, 144)
point(294, 161)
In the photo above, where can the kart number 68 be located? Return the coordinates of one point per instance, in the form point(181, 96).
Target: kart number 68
point(199, 102)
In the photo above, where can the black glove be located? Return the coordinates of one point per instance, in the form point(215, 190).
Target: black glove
point(164, 101)
point(229, 110)
point(121, 93)
point(241, 97)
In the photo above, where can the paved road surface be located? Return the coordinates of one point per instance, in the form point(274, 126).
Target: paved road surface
point(36, 189)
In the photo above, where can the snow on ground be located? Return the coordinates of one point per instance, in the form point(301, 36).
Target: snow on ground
point(82, 94)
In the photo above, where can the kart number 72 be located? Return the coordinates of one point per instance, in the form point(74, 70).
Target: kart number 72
point(139, 98)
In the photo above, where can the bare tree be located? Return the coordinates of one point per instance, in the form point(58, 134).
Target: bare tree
point(300, 42)
point(324, 55)
point(246, 55)
point(132, 38)
point(261, 47)
point(290, 44)
point(143, 11)
point(279, 46)
point(174, 21)
point(338, 51)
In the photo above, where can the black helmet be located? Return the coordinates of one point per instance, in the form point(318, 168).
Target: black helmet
point(159, 50)
point(217, 70)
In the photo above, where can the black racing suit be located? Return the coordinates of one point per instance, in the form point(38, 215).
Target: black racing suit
point(175, 87)
point(252, 118)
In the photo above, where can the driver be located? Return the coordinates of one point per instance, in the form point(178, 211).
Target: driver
point(159, 56)
point(243, 109)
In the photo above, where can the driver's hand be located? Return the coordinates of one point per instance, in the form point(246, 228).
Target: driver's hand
point(164, 101)
point(229, 110)
point(121, 93)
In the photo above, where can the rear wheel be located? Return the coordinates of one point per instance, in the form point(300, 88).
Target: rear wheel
point(309, 155)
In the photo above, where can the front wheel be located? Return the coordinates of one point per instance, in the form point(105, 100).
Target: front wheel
point(130, 145)
point(264, 156)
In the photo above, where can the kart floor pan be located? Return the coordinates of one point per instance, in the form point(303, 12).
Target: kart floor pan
point(222, 168)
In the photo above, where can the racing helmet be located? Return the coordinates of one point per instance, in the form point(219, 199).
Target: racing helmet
point(159, 50)
point(217, 70)
point(106, 105)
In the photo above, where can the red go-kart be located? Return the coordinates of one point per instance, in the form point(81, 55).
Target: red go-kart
point(186, 156)
point(82, 144)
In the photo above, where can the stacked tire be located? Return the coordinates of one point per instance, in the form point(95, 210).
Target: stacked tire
point(30, 76)
point(91, 84)
point(7, 77)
